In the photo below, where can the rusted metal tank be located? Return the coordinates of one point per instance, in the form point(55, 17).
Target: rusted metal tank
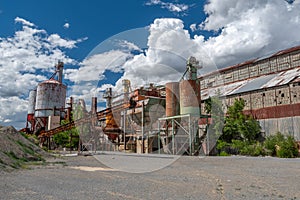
point(172, 99)
point(50, 94)
point(190, 97)
point(31, 101)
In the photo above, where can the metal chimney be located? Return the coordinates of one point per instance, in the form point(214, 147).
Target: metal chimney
point(59, 69)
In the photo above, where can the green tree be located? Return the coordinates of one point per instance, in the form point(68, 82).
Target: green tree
point(239, 126)
point(63, 139)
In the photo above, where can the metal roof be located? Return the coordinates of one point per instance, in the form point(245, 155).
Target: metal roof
point(222, 90)
point(257, 83)
point(283, 78)
point(52, 80)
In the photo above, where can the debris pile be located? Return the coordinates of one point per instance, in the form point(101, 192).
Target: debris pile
point(16, 149)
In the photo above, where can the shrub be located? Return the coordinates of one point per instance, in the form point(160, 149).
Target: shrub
point(248, 148)
point(224, 148)
point(287, 148)
point(223, 153)
point(238, 145)
point(281, 146)
point(255, 149)
point(271, 142)
point(222, 145)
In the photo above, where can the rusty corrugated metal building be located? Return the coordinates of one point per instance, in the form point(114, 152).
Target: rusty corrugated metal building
point(270, 87)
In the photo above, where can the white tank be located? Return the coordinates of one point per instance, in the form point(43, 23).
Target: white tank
point(31, 101)
point(50, 94)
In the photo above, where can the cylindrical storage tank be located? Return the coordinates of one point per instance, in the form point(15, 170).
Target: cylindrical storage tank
point(190, 97)
point(172, 99)
point(32, 100)
point(50, 94)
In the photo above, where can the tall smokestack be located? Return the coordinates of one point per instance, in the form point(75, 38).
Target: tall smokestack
point(94, 105)
point(59, 69)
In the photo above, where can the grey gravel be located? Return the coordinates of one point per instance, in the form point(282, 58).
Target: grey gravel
point(234, 177)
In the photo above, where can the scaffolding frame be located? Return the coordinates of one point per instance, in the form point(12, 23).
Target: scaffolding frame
point(178, 123)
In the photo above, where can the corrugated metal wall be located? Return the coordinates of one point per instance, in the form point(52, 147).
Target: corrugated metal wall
point(287, 126)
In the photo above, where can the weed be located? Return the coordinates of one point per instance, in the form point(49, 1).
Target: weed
point(223, 153)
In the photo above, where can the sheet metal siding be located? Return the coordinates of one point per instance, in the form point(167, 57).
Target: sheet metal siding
point(172, 99)
point(32, 101)
point(50, 94)
point(286, 125)
point(190, 97)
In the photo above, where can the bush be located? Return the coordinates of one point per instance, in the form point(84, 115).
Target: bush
point(255, 149)
point(63, 140)
point(221, 145)
point(223, 153)
point(271, 142)
point(274, 145)
point(287, 149)
point(248, 148)
point(238, 145)
point(281, 146)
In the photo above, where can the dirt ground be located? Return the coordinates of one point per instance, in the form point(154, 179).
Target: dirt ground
point(85, 177)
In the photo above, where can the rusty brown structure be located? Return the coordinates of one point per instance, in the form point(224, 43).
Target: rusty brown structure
point(190, 97)
point(46, 100)
point(172, 99)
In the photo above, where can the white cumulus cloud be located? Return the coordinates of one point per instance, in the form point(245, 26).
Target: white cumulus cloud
point(249, 28)
point(172, 7)
point(66, 25)
point(246, 30)
point(23, 21)
point(92, 70)
point(25, 57)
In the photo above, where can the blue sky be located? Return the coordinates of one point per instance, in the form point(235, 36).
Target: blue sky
point(97, 20)
point(141, 40)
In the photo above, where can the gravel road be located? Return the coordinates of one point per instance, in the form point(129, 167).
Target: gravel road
point(84, 177)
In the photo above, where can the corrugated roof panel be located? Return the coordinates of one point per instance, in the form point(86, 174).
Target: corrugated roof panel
point(231, 88)
point(282, 78)
point(261, 82)
point(255, 83)
point(223, 90)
